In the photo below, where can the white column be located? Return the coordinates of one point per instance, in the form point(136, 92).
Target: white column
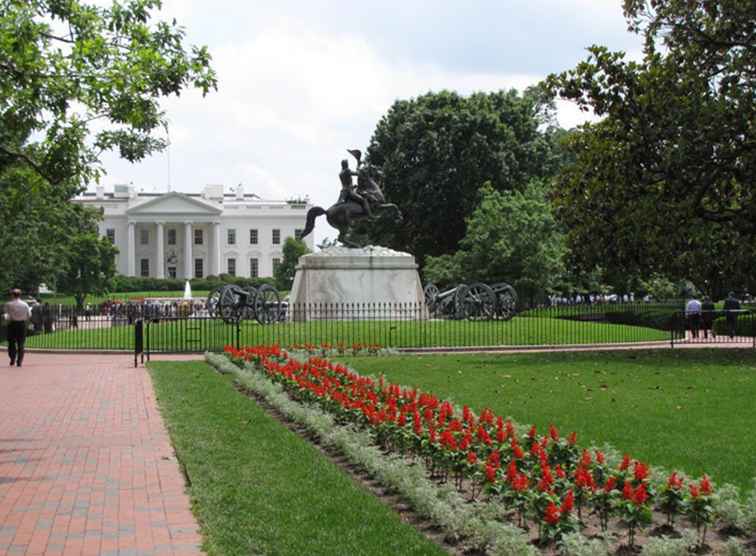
point(188, 257)
point(160, 263)
point(215, 254)
point(131, 249)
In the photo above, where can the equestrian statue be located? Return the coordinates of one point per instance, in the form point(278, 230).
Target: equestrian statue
point(355, 203)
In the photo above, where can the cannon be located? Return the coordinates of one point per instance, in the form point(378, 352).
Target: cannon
point(477, 301)
point(233, 303)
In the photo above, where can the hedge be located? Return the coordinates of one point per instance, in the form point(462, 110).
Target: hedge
point(139, 284)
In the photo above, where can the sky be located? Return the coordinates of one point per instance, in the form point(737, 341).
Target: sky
point(301, 81)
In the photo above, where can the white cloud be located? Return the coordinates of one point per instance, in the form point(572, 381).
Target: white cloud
point(292, 96)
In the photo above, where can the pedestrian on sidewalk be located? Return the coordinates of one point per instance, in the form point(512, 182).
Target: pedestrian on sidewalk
point(693, 314)
point(18, 313)
point(731, 307)
point(707, 317)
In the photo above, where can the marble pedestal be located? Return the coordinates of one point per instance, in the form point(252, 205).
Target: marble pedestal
point(366, 284)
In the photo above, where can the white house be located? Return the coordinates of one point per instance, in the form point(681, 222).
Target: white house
point(192, 235)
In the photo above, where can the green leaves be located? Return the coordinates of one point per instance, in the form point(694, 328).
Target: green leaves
point(110, 64)
point(666, 174)
point(438, 149)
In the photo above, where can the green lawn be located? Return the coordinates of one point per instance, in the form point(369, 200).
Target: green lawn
point(200, 335)
point(687, 409)
point(258, 488)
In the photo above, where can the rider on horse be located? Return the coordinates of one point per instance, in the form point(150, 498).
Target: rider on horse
point(348, 191)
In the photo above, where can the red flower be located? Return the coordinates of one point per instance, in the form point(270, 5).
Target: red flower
point(585, 460)
point(693, 490)
point(640, 495)
point(599, 457)
point(625, 463)
point(532, 432)
point(511, 471)
point(627, 491)
point(491, 473)
point(611, 482)
point(560, 472)
point(552, 514)
point(705, 486)
point(472, 457)
point(572, 439)
point(674, 482)
point(568, 503)
point(553, 433)
point(641, 471)
point(520, 482)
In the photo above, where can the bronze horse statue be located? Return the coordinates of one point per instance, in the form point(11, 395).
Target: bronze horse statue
point(342, 215)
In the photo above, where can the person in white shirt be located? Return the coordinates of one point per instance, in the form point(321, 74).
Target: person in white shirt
point(693, 314)
point(18, 313)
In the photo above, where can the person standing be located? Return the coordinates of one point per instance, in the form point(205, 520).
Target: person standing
point(731, 307)
point(18, 313)
point(707, 317)
point(693, 314)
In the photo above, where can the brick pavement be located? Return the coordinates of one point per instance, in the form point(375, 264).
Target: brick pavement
point(86, 464)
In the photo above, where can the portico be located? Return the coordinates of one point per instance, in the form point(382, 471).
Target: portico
point(173, 236)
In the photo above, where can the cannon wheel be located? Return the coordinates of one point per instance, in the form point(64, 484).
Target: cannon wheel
point(228, 305)
point(267, 305)
point(212, 301)
point(480, 301)
point(460, 310)
point(430, 293)
point(248, 309)
point(506, 300)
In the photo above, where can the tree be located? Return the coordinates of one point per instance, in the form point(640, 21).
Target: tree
point(89, 266)
point(284, 272)
point(438, 149)
point(663, 183)
point(67, 65)
point(511, 237)
point(35, 218)
point(77, 80)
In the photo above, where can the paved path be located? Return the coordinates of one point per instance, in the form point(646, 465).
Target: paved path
point(86, 464)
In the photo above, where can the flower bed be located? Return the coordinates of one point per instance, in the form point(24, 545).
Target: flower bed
point(546, 483)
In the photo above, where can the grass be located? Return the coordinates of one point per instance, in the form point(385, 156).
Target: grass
point(685, 409)
point(257, 488)
point(199, 335)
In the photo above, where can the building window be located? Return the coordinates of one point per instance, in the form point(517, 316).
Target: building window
point(254, 268)
point(276, 237)
point(276, 263)
point(198, 237)
point(171, 272)
point(144, 267)
point(232, 267)
point(199, 269)
point(253, 237)
point(110, 234)
point(171, 236)
point(298, 233)
point(144, 237)
point(231, 239)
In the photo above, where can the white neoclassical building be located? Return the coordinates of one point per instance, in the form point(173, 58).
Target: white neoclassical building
point(188, 235)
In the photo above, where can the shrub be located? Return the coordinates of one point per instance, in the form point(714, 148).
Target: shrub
point(746, 326)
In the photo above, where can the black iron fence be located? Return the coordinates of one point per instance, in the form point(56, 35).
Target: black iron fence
point(182, 327)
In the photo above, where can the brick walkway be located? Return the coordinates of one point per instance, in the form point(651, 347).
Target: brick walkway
point(86, 464)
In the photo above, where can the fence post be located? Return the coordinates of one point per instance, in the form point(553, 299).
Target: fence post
point(138, 341)
point(238, 333)
point(672, 331)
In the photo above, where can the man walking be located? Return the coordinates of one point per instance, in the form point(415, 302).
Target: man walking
point(18, 312)
point(693, 314)
point(731, 307)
